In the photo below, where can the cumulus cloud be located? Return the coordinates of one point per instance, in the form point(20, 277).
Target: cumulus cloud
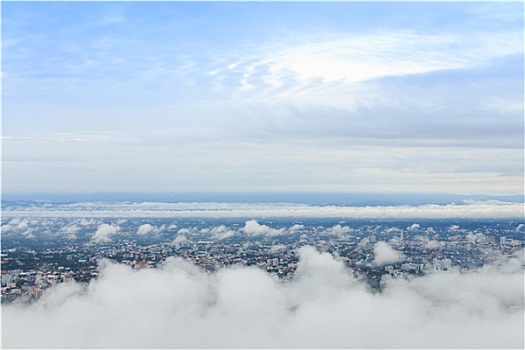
point(104, 233)
point(475, 237)
point(20, 225)
point(385, 254)
point(393, 230)
point(146, 229)
point(16, 224)
point(29, 233)
point(87, 222)
point(71, 230)
point(180, 240)
point(296, 227)
point(219, 232)
point(433, 244)
point(277, 248)
point(414, 227)
point(183, 231)
point(253, 228)
point(338, 230)
point(180, 306)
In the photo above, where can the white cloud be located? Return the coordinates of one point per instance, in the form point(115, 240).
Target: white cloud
point(180, 240)
point(70, 230)
point(472, 210)
point(183, 231)
point(219, 232)
point(414, 227)
point(253, 228)
point(339, 230)
point(296, 227)
point(29, 233)
point(104, 233)
point(453, 228)
point(433, 244)
point(385, 254)
point(21, 225)
point(323, 67)
point(180, 306)
point(278, 248)
point(475, 237)
point(146, 229)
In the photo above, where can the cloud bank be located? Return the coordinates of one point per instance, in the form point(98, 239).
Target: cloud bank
point(468, 210)
point(180, 306)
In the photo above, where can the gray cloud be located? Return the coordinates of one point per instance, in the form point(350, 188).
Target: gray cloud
point(180, 306)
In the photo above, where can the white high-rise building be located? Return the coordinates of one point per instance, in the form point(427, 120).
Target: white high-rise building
point(446, 264)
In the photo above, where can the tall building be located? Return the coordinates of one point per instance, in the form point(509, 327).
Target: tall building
point(446, 264)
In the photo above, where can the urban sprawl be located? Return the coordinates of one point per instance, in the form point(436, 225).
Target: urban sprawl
point(39, 253)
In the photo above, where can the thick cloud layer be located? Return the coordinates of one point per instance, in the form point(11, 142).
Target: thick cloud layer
point(180, 306)
point(470, 209)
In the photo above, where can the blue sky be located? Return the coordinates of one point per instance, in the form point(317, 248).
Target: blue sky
point(265, 97)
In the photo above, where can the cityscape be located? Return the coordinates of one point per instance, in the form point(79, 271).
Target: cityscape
point(38, 253)
point(188, 268)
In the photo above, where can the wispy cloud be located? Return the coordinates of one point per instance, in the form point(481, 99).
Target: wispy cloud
point(293, 69)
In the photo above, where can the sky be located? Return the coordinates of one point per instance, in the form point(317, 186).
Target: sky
point(265, 97)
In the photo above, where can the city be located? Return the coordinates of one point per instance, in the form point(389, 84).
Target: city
point(66, 250)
